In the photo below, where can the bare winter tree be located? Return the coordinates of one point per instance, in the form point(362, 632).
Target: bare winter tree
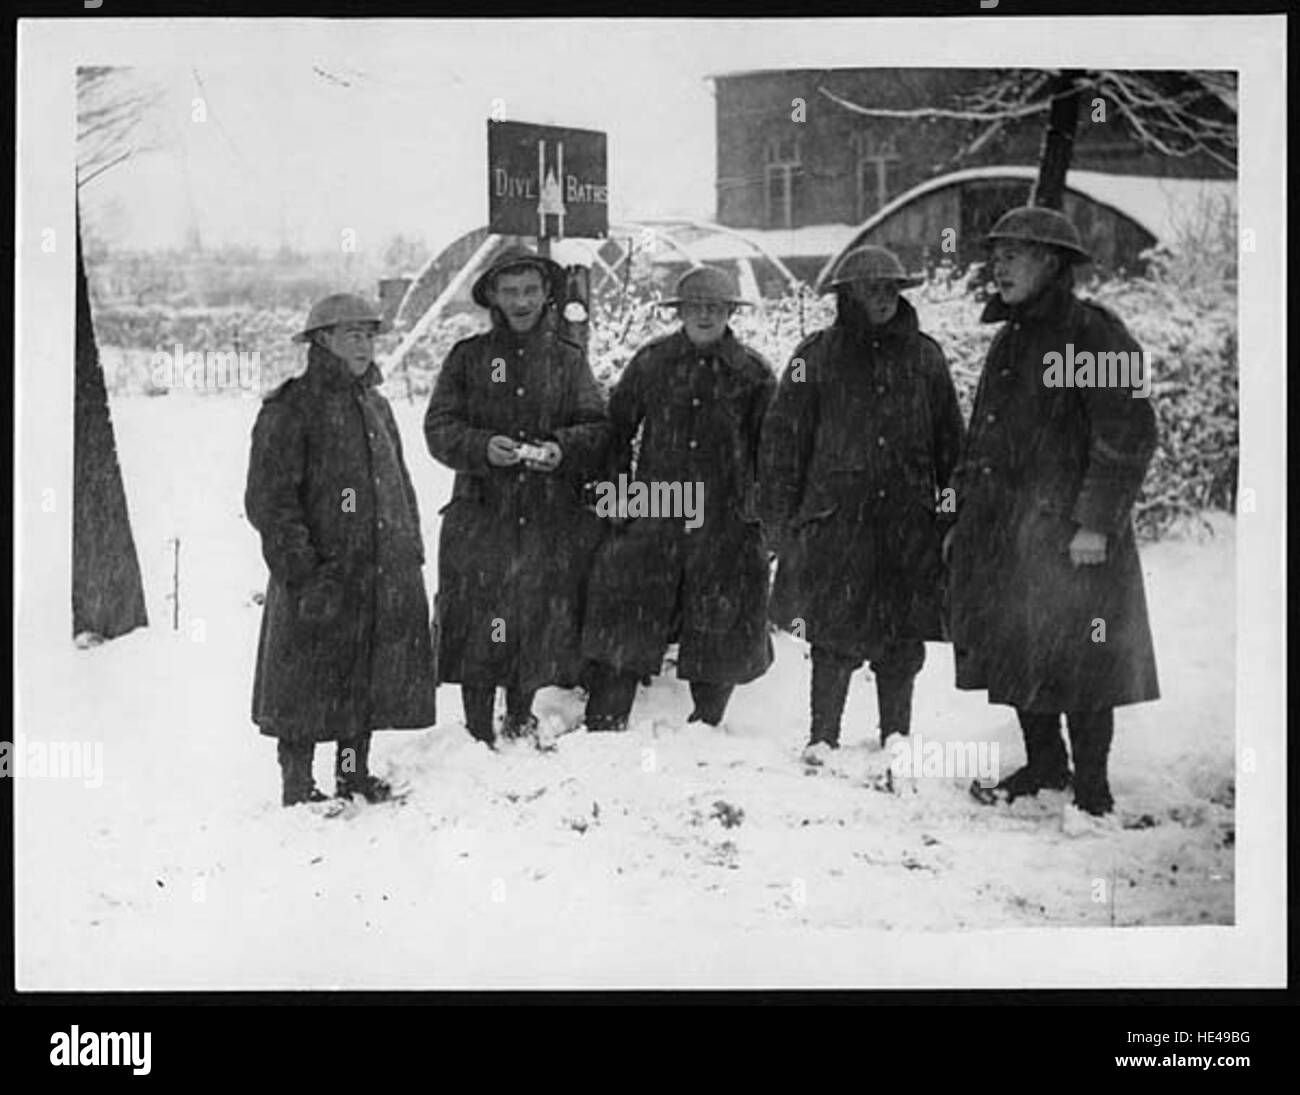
point(107, 590)
point(1176, 113)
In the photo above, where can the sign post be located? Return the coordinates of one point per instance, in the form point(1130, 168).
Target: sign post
point(549, 182)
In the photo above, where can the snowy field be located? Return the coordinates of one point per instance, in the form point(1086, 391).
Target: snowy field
point(672, 855)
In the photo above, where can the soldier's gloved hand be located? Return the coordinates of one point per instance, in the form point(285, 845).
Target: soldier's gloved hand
point(1088, 548)
point(501, 452)
point(554, 454)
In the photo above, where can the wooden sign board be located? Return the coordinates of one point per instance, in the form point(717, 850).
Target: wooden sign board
point(546, 181)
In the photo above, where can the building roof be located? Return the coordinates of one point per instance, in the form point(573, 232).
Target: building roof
point(1162, 206)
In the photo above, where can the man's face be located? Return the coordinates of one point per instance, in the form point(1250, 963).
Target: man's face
point(520, 295)
point(704, 321)
point(353, 342)
point(1021, 270)
point(879, 299)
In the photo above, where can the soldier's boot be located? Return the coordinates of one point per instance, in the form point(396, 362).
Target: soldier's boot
point(1091, 733)
point(352, 771)
point(609, 702)
point(477, 701)
point(710, 699)
point(520, 722)
point(297, 784)
point(1047, 766)
point(831, 673)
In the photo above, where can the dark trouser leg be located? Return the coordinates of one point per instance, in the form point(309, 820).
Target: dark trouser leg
point(1090, 737)
point(831, 673)
point(352, 761)
point(896, 668)
point(1045, 748)
point(477, 700)
point(610, 701)
point(710, 701)
point(295, 770)
point(519, 702)
point(519, 712)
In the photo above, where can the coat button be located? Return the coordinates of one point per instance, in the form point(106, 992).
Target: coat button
point(519, 391)
point(1015, 326)
point(992, 417)
point(880, 494)
point(1005, 372)
point(693, 443)
point(880, 441)
point(986, 470)
point(522, 476)
point(880, 389)
point(695, 402)
point(523, 520)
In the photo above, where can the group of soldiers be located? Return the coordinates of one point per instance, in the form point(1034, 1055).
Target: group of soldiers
point(891, 523)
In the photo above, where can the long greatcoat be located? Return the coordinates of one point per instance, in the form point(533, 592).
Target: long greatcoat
point(516, 545)
point(1040, 462)
point(699, 413)
point(863, 434)
point(345, 643)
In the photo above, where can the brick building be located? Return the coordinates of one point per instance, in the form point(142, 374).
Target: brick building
point(838, 167)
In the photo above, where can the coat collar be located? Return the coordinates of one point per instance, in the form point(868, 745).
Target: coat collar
point(852, 320)
point(727, 349)
point(327, 370)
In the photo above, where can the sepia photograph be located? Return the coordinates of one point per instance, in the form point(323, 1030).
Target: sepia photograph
point(637, 504)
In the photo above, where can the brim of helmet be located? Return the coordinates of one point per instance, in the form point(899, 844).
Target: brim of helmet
point(1076, 254)
point(381, 328)
point(902, 283)
point(550, 270)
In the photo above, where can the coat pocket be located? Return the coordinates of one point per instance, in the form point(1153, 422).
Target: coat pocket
point(320, 600)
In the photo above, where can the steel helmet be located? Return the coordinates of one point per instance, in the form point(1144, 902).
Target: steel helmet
point(518, 256)
point(1038, 224)
point(339, 308)
point(871, 263)
point(706, 283)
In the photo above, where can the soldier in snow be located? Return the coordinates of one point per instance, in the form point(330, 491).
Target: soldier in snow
point(517, 414)
point(1048, 609)
point(345, 646)
point(697, 398)
point(857, 448)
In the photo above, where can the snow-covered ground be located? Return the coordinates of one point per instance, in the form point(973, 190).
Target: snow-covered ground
point(673, 854)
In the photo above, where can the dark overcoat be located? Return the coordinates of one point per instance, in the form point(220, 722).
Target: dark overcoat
point(345, 644)
point(698, 414)
point(863, 435)
point(1040, 462)
point(516, 545)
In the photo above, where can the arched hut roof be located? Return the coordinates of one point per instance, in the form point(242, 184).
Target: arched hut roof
point(1151, 208)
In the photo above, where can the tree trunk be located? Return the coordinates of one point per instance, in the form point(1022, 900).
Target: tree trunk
point(1058, 139)
point(107, 593)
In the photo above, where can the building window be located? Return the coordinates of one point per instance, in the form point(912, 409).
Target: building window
point(781, 169)
point(874, 157)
